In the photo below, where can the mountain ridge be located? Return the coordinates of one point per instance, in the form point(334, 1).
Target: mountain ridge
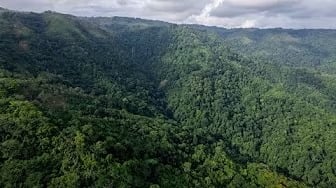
point(166, 22)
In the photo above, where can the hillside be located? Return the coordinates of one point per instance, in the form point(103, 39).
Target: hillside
point(120, 102)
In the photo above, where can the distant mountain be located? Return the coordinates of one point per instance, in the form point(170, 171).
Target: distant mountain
point(123, 102)
point(305, 47)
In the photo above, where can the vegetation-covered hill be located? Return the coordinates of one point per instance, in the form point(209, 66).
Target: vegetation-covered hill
point(290, 47)
point(119, 102)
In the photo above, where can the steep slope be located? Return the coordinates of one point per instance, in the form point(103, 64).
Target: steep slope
point(303, 59)
point(133, 103)
point(233, 99)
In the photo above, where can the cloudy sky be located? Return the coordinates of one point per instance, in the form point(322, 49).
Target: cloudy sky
point(224, 13)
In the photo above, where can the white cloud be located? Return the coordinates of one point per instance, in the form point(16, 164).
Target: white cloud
point(204, 17)
point(248, 24)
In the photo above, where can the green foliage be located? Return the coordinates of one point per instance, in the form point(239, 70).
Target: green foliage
point(119, 102)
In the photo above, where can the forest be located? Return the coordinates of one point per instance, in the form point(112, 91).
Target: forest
point(123, 102)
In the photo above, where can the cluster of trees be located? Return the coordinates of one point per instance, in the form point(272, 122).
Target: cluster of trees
point(132, 103)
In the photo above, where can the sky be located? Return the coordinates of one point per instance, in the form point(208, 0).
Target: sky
point(223, 13)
